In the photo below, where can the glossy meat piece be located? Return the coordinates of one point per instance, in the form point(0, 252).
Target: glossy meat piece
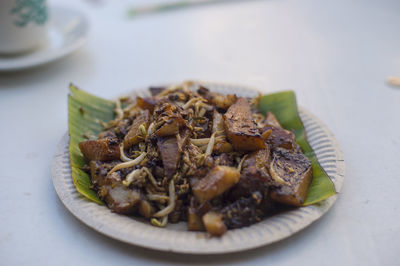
point(219, 100)
point(213, 221)
point(156, 90)
point(119, 199)
point(195, 222)
point(171, 127)
point(243, 212)
point(148, 103)
point(216, 182)
point(135, 135)
point(105, 149)
point(271, 120)
point(254, 175)
point(170, 119)
point(169, 152)
point(292, 174)
point(170, 149)
point(280, 138)
point(241, 129)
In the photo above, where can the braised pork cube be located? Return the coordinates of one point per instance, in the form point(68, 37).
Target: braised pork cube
point(195, 222)
point(254, 175)
point(148, 103)
point(119, 198)
point(243, 212)
point(135, 133)
point(241, 129)
point(170, 119)
point(216, 182)
point(292, 174)
point(213, 221)
point(271, 120)
point(156, 90)
point(219, 100)
point(104, 149)
point(276, 136)
point(170, 150)
point(279, 138)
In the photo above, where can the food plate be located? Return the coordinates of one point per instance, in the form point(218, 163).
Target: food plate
point(175, 237)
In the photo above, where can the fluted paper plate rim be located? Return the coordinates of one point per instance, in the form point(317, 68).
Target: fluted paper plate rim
point(175, 238)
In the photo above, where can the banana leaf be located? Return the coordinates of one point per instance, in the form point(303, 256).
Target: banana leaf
point(84, 113)
point(86, 110)
point(283, 105)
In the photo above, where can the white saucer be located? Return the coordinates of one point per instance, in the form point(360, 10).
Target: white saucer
point(67, 31)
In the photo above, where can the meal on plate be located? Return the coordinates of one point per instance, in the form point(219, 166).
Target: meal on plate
point(210, 159)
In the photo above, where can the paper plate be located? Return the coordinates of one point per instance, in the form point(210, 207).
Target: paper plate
point(175, 237)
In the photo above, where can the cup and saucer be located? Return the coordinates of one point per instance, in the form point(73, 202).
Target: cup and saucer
point(31, 34)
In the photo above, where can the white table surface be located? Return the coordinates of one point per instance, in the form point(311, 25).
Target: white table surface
point(335, 54)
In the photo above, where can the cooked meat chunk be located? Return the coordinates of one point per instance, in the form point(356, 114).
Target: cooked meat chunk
point(243, 212)
point(171, 127)
point(98, 173)
point(135, 134)
point(118, 198)
point(216, 182)
point(254, 175)
point(280, 138)
point(170, 119)
point(156, 90)
point(271, 120)
point(223, 101)
point(121, 199)
point(292, 174)
point(219, 100)
point(105, 149)
point(213, 221)
point(195, 222)
point(170, 149)
point(148, 103)
point(241, 129)
point(222, 147)
point(169, 152)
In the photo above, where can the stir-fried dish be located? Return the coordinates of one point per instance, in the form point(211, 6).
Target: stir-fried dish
point(209, 159)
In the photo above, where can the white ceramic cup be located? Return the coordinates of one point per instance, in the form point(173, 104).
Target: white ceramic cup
point(22, 25)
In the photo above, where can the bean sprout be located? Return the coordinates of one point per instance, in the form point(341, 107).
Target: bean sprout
point(159, 223)
point(123, 157)
point(171, 206)
point(131, 177)
point(127, 164)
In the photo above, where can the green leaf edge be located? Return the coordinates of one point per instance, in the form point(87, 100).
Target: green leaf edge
point(97, 108)
point(284, 106)
point(84, 112)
